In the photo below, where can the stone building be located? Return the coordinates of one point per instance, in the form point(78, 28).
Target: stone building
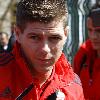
point(6, 15)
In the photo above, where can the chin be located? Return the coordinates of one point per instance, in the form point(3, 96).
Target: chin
point(44, 70)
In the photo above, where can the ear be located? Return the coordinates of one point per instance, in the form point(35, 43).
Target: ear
point(66, 30)
point(89, 22)
point(17, 33)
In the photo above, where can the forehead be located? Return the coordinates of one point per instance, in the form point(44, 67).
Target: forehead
point(39, 27)
point(90, 24)
point(3, 35)
point(95, 16)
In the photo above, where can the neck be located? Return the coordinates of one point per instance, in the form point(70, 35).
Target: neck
point(42, 77)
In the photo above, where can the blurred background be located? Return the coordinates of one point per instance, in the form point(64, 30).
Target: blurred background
point(78, 10)
point(7, 15)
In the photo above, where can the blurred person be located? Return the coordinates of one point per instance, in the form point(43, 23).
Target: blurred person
point(3, 41)
point(11, 42)
point(87, 60)
point(12, 39)
point(36, 69)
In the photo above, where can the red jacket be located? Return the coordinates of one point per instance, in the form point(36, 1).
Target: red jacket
point(87, 66)
point(16, 80)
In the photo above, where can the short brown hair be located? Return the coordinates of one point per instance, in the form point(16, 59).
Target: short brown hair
point(41, 11)
point(94, 14)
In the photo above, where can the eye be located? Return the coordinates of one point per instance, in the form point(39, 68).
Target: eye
point(90, 30)
point(55, 38)
point(35, 37)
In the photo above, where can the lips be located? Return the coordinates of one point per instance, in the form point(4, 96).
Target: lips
point(96, 41)
point(44, 60)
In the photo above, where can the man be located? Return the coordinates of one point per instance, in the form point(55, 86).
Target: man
point(3, 41)
point(11, 42)
point(12, 39)
point(37, 69)
point(87, 60)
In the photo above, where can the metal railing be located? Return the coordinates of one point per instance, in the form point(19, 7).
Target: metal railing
point(78, 10)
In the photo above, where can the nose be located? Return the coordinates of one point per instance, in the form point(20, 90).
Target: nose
point(45, 47)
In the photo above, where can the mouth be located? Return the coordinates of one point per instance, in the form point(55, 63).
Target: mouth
point(96, 42)
point(44, 60)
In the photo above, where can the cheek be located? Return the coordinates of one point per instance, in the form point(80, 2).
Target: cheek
point(61, 44)
point(27, 48)
point(58, 48)
point(28, 52)
point(90, 36)
point(57, 51)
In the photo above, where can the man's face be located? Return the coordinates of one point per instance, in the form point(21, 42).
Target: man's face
point(94, 34)
point(42, 44)
point(3, 39)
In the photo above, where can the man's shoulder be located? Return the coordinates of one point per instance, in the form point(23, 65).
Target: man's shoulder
point(77, 79)
point(5, 58)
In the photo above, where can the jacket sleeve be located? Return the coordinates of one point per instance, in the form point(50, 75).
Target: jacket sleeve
point(79, 88)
